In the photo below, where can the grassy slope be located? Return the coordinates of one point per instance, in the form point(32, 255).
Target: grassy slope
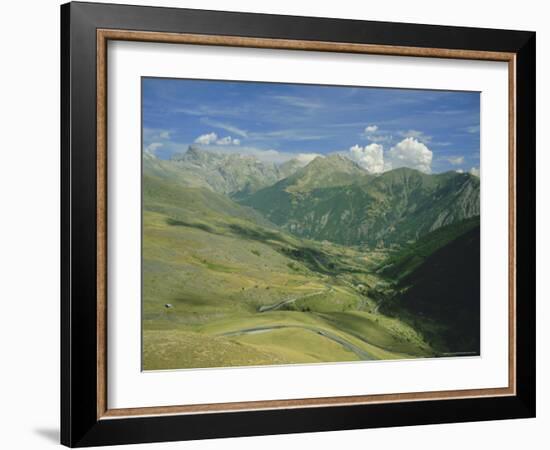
point(393, 208)
point(217, 263)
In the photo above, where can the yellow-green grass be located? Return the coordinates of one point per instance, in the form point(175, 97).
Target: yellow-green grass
point(365, 334)
point(177, 349)
point(384, 332)
point(196, 270)
point(298, 345)
point(216, 264)
point(294, 338)
point(337, 298)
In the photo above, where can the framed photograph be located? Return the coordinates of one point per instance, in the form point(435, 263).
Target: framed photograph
point(276, 224)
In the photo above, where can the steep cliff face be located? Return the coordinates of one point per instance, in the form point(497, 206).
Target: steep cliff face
point(228, 173)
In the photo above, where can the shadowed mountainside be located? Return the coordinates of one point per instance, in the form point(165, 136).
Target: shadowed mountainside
point(441, 296)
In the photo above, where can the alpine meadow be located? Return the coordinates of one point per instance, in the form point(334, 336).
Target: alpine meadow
point(299, 224)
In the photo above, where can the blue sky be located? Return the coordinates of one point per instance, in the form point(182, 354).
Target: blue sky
point(433, 131)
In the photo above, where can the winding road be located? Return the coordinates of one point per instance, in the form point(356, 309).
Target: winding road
point(362, 354)
point(377, 307)
point(266, 308)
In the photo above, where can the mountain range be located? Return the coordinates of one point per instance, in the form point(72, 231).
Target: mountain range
point(355, 208)
point(332, 198)
point(231, 174)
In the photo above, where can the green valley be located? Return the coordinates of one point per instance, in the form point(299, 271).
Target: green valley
point(246, 263)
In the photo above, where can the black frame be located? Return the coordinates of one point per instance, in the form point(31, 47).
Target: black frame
point(79, 423)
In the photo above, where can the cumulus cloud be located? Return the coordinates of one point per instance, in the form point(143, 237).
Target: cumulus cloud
point(224, 141)
point(474, 171)
point(407, 153)
point(228, 140)
point(373, 134)
point(370, 157)
point(154, 138)
point(207, 139)
point(459, 171)
point(411, 153)
point(456, 160)
point(212, 139)
point(371, 129)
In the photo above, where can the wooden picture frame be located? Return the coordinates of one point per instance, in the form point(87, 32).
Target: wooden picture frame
point(86, 418)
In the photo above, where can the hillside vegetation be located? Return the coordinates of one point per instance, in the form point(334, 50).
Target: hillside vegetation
point(348, 207)
point(226, 283)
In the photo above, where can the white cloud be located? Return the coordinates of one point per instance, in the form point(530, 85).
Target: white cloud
point(224, 141)
point(418, 135)
point(474, 171)
point(407, 153)
point(294, 134)
point(204, 111)
point(456, 160)
point(371, 129)
point(370, 157)
point(373, 134)
point(155, 134)
point(473, 129)
point(300, 102)
point(153, 147)
point(228, 140)
point(225, 126)
point(411, 153)
point(459, 171)
point(379, 138)
point(207, 139)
